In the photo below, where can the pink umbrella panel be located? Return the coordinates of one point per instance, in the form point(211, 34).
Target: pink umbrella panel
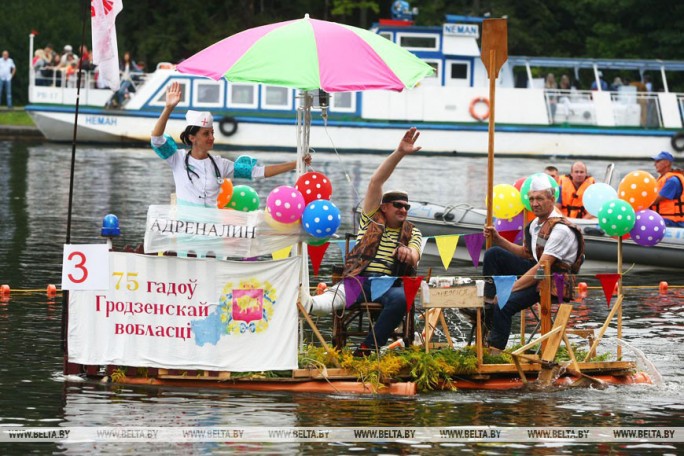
point(309, 54)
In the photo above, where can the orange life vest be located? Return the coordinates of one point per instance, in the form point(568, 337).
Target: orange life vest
point(670, 209)
point(571, 198)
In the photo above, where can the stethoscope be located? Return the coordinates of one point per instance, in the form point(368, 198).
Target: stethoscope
point(219, 179)
point(188, 170)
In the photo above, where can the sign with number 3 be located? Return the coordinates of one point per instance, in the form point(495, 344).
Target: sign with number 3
point(85, 267)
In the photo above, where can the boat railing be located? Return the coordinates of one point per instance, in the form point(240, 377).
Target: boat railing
point(64, 78)
point(627, 107)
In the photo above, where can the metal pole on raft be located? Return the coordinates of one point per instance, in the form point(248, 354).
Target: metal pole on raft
point(494, 54)
point(303, 133)
point(65, 295)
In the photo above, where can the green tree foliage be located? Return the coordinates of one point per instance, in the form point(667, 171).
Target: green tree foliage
point(170, 30)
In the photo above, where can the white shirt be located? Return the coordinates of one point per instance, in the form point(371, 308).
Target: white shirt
point(201, 189)
point(561, 244)
point(6, 66)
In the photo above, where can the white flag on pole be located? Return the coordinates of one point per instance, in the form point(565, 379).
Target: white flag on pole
point(105, 51)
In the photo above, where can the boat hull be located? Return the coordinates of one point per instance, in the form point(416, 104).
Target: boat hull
point(110, 126)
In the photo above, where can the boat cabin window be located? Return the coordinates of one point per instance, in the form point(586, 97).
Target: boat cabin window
point(242, 96)
point(343, 102)
point(160, 99)
point(436, 77)
point(419, 41)
point(208, 93)
point(458, 73)
point(387, 35)
point(276, 97)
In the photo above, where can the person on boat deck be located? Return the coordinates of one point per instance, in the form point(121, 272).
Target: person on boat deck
point(197, 174)
point(550, 236)
point(572, 188)
point(670, 200)
point(387, 245)
point(553, 172)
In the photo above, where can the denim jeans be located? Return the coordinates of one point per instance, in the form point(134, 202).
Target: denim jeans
point(393, 311)
point(6, 86)
point(498, 261)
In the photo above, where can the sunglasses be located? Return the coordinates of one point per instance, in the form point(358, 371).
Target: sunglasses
point(399, 205)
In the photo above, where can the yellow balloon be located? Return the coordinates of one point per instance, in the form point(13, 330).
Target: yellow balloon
point(282, 227)
point(507, 202)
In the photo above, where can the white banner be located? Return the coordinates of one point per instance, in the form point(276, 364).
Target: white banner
point(559, 436)
point(105, 50)
point(188, 313)
point(220, 232)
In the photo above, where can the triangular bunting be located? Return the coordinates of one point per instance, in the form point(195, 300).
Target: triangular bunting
point(352, 289)
point(423, 243)
point(608, 281)
point(510, 235)
point(380, 285)
point(474, 243)
point(446, 246)
point(559, 280)
point(316, 253)
point(411, 287)
point(503, 284)
point(282, 253)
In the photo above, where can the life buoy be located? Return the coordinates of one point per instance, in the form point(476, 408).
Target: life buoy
point(481, 117)
point(228, 126)
point(677, 141)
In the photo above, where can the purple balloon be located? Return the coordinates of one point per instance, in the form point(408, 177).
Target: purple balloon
point(513, 224)
point(649, 228)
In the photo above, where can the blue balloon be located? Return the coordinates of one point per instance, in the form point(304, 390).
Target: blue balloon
point(596, 195)
point(321, 219)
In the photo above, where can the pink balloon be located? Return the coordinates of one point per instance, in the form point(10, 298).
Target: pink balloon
point(285, 204)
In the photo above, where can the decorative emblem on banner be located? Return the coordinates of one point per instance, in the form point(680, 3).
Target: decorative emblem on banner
point(247, 308)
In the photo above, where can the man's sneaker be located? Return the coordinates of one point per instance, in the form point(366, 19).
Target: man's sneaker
point(362, 351)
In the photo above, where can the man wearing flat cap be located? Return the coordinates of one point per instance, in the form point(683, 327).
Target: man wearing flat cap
point(670, 200)
point(387, 245)
point(550, 236)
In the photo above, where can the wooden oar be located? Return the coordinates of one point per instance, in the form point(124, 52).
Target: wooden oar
point(494, 54)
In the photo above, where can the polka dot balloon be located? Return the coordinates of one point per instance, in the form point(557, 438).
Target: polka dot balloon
point(244, 199)
point(314, 186)
point(321, 219)
point(285, 204)
point(649, 228)
point(639, 189)
point(616, 217)
point(507, 203)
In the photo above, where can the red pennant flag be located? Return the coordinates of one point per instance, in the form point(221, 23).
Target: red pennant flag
point(411, 286)
point(509, 235)
point(608, 282)
point(316, 253)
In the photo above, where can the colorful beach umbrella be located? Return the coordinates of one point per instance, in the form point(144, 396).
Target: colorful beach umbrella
point(309, 54)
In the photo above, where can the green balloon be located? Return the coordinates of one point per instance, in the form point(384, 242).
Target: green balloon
point(244, 199)
point(525, 187)
point(616, 217)
point(317, 241)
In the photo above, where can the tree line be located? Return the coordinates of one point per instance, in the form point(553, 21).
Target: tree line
point(170, 30)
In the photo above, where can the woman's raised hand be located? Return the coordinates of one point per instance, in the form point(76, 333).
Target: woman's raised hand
point(173, 95)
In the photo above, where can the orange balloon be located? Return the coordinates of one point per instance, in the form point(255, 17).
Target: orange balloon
point(639, 189)
point(225, 193)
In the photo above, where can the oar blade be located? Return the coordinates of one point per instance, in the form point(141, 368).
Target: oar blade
point(494, 38)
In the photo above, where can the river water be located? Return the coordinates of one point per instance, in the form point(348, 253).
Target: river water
point(34, 185)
